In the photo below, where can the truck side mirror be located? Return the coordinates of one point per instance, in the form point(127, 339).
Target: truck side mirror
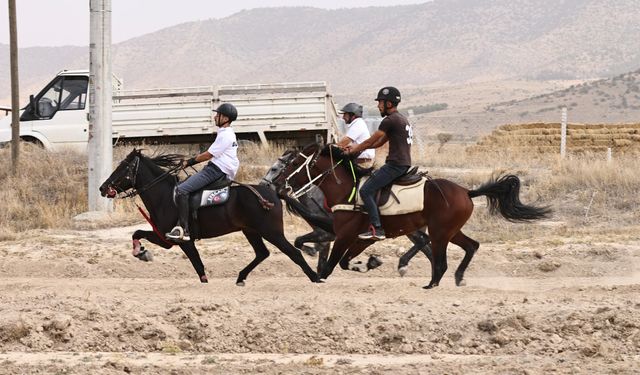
point(33, 108)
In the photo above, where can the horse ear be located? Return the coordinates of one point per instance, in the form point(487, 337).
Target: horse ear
point(320, 140)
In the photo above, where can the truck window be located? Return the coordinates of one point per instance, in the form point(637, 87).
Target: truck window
point(74, 93)
point(49, 101)
point(63, 94)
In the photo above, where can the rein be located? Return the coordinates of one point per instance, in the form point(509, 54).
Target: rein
point(153, 226)
point(309, 162)
point(148, 186)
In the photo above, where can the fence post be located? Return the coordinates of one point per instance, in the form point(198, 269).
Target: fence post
point(609, 156)
point(563, 133)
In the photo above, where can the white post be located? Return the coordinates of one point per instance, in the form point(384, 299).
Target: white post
point(100, 149)
point(563, 133)
point(609, 156)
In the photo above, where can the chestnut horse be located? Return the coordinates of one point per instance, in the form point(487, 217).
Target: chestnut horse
point(447, 207)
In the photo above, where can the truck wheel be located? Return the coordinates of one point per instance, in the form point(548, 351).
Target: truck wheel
point(34, 141)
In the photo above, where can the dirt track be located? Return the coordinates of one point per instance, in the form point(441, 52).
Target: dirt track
point(77, 302)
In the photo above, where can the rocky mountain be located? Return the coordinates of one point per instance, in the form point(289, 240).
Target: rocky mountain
point(358, 50)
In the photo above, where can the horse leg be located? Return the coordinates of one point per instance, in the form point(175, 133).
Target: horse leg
point(470, 246)
point(138, 249)
point(317, 236)
point(323, 253)
point(439, 263)
point(420, 241)
point(301, 240)
point(189, 248)
point(354, 250)
point(279, 241)
point(340, 247)
point(261, 251)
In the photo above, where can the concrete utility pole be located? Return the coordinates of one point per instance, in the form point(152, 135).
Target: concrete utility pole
point(15, 93)
point(563, 133)
point(100, 148)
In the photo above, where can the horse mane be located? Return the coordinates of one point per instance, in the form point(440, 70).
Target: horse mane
point(163, 162)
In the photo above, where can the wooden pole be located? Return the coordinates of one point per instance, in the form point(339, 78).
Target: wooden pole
point(15, 93)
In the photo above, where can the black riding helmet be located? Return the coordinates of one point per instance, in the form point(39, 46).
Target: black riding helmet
point(228, 110)
point(390, 94)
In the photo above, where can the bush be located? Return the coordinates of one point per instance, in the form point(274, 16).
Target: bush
point(420, 109)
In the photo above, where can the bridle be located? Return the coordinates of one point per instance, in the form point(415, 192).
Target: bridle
point(307, 165)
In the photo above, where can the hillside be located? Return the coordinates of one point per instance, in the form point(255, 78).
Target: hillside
point(442, 44)
point(613, 100)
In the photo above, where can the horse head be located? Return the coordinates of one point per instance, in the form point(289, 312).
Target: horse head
point(129, 175)
point(296, 170)
point(277, 169)
point(123, 177)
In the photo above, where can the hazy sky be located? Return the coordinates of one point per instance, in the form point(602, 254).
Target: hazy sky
point(66, 22)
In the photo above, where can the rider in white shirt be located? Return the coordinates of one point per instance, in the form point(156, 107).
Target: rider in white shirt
point(357, 132)
point(224, 163)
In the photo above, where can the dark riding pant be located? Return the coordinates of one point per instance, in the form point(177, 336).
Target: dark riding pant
point(379, 179)
point(207, 175)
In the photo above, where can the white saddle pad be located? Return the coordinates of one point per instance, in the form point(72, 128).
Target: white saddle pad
point(411, 199)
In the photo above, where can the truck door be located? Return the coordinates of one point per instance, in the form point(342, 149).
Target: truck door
point(58, 112)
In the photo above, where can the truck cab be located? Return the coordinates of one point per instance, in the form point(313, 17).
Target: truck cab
point(56, 115)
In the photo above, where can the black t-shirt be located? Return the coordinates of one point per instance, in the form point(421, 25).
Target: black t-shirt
point(398, 130)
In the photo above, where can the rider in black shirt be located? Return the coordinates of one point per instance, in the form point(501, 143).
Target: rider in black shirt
point(395, 129)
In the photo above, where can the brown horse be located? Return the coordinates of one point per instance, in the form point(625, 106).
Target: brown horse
point(447, 207)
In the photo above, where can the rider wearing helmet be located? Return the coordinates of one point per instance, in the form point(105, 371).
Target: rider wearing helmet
point(223, 156)
point(357, 132)
point(395, 129)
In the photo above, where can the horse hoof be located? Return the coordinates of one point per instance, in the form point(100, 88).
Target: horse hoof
point(374, 262)
point(321, 281)
point(430, 286)
point(240, 283)
point(403, 270)
point(144, 255)
point(461, 283)
point(204, 279)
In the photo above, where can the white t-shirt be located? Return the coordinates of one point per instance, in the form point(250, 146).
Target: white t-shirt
point(358, 132)
point(225, 152)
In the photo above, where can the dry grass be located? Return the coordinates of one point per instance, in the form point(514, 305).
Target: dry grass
point(584, 189)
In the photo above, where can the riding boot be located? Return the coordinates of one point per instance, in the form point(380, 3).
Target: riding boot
point(181, 231)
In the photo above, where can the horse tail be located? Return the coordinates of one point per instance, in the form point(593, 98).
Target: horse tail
point(298, 209)
point(503, 196)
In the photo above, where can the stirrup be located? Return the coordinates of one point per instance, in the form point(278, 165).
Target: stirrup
point(177, 233)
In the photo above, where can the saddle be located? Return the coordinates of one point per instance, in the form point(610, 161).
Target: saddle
point(411, 177)
point(407, 192)
point(214, 194)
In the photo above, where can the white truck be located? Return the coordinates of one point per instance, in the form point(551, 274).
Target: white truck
point(57, 117)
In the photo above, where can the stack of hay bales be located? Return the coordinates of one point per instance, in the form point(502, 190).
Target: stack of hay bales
point(545, 138)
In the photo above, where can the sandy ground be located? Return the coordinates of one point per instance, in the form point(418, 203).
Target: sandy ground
point(77, 302)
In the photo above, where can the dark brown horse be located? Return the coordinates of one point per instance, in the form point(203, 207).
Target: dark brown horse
point(447, 207)
point(151, 178)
